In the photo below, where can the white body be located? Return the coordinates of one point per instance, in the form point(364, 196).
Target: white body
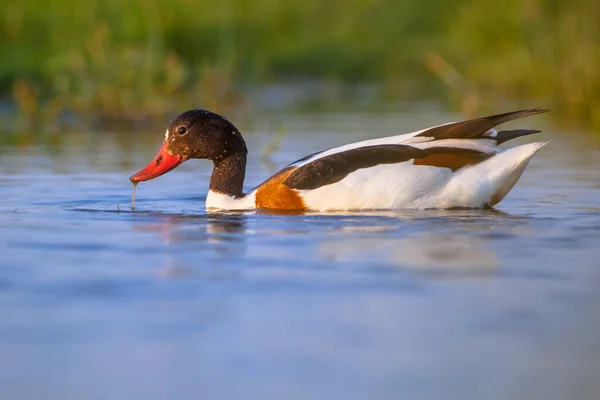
point(408, 186)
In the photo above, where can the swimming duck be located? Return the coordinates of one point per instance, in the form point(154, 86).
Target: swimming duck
point(455, 165)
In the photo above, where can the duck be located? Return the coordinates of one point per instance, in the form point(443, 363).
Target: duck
point(454, 165)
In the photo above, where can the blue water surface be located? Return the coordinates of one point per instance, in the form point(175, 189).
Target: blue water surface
point(168, 301)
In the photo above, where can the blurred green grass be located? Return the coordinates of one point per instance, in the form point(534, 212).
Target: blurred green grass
point(130, 60)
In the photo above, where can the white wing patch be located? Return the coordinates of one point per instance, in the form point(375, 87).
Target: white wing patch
point(487, 146)
point(492, 133)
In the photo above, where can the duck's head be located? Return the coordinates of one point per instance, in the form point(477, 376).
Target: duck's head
point(194, 134)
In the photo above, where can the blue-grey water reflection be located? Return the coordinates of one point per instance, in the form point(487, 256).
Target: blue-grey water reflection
point(169, 301)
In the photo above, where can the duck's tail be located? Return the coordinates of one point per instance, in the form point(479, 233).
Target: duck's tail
point(485, 184)
point(505, 169)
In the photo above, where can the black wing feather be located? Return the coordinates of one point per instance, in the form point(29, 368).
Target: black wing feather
point(504, 136)
point(474, 128)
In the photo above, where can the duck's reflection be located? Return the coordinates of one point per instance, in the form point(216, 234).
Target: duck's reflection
point(211, 227)
point(218, 222)
point(221, 238)
point(430, 253)
point(444, 243)
point(448, 255)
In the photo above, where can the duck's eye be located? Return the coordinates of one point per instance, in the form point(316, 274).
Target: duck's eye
point(181, 130)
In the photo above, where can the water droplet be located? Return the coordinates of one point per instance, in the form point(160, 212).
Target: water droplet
point(133, 196)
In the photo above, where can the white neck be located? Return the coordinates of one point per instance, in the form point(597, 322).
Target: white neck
point(216, 200)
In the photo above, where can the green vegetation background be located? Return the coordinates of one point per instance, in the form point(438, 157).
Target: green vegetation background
point(124, 59)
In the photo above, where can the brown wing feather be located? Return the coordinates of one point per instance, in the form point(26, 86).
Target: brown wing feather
point(453, 158)
point(473, 128)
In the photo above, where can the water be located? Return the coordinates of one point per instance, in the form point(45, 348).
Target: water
point(168, 301)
